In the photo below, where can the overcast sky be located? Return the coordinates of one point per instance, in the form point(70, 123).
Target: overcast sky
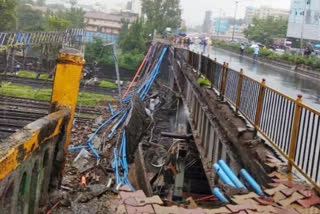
point(194, 10)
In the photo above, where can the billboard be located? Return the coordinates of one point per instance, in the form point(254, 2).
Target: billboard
point(304, 17)
point(221, 25)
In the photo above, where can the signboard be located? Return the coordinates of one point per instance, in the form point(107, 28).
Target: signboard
point(221, 25)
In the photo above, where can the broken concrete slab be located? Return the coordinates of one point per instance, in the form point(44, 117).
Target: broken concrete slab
point(276, 189)
point(294, 197)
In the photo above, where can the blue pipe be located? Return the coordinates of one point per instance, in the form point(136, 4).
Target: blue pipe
point(77, 147)
point(231, 174)
point(113, 130)
point(103, 124)
point(223, 175)
point(110, 109)
point(115, 165)
point(219, 195)
point(244, 173)
point(94, 151)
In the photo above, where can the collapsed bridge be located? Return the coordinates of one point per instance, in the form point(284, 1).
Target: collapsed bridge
point(166, 136)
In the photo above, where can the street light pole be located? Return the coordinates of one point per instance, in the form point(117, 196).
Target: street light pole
point(115, 58)
point(234, 23)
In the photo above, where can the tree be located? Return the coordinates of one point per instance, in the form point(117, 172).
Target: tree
point(161, 14)
point(8, 15)
point(95, 52)
point(134, 40)
point(56, 23)
point(264, 30)
point(29, 19)
point(41, 2)
point(75, 16)
point(124, 30)
point(73, 3)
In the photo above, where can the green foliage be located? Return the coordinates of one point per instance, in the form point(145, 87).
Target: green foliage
point(202, 81)
point(130, 60)
point(264, 30)
point(7, 15)
point(107, 84)
point(124, 30)
point(161, 14)
point(95, 52)
point(74, 15)
point(16, 90)
point(290, 58)
point(33, 75)
point(133, 40)
point(29, 19)
point(56, 23)
point(27, 74)
point(41, 2)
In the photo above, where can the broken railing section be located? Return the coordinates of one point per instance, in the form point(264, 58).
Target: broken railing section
point(292, 127)
point(32, 159)
point(120, 163)
point(19, 39)
point(219, 132)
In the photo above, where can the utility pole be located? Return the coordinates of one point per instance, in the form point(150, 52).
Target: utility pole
point(115, 58)
point(234, 23)
point(114, 50)
point(302, 26)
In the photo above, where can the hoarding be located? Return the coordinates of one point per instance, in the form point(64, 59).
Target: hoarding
point(221, 25)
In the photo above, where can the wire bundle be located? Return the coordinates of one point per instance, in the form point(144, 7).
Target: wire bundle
point(119, 163)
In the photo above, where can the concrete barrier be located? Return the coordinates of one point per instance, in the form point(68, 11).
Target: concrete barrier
point(32, 159)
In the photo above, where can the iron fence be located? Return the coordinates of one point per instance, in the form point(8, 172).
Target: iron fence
point(290, 126)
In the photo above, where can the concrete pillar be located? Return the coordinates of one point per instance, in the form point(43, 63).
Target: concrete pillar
point(66, 85)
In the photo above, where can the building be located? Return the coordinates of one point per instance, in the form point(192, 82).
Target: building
point(207, 23)
point(136, 7)
point(304, 20)
point(105, 25)
point(264, 12)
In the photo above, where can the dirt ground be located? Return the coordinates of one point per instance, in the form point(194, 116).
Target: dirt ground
point(73, 196)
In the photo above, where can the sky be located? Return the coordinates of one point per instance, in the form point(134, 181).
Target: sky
point(194, 10)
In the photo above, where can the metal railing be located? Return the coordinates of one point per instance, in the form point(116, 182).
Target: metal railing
point(29, 38)
point(288, 124)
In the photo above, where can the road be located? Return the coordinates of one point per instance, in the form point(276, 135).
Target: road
point(287, 82)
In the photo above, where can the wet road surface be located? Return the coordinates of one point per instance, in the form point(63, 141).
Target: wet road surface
point(286, 82)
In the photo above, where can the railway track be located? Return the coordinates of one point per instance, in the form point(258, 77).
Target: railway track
point(15, 113)
point(37, 83)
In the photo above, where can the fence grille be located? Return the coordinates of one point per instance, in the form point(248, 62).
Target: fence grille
point(292, 127)
point(231, 85)
point(308, 143)
point(249, 98)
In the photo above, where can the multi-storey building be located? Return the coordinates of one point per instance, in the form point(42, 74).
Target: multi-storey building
point(106, 25)
point(264, 12)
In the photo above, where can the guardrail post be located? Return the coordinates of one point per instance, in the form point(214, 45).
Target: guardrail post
point(188, 57)
point(260, 103)
point(66, 84)
point(294, 132)
point(213, 70)
point(224, 79)
point(239, 90)
point(207, 66)
point(199, 62)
